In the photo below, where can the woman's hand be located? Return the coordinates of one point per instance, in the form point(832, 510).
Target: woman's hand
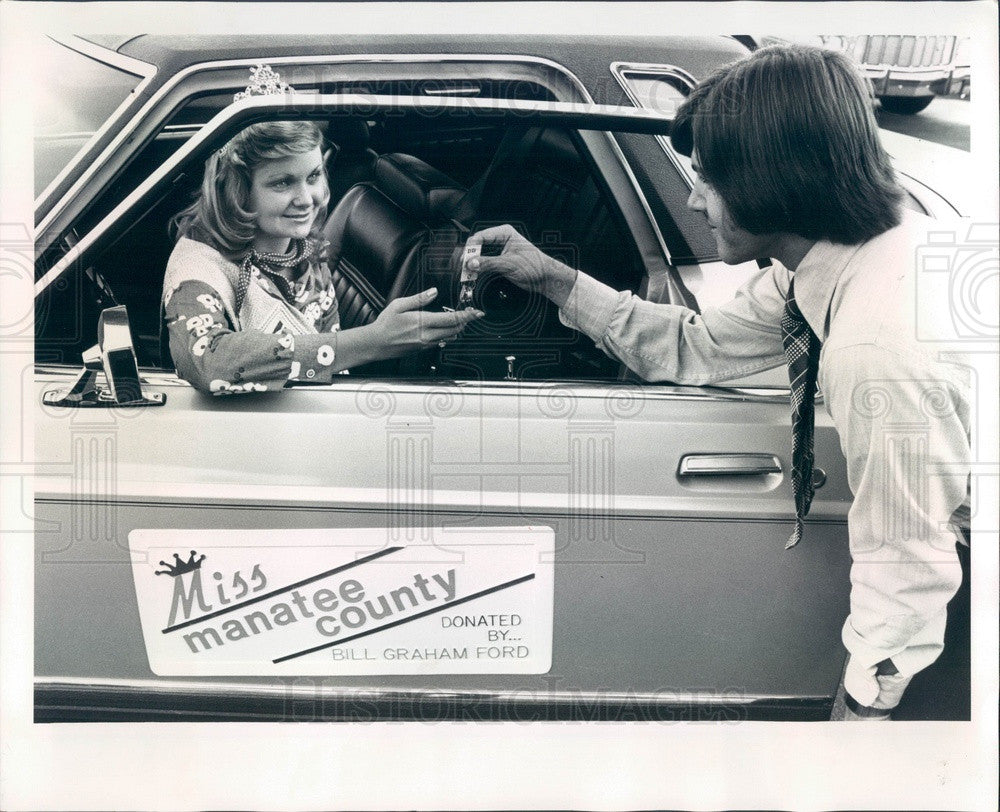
point(522, 263)
point(403, 327)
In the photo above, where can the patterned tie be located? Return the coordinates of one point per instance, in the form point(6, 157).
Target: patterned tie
point(802, 353)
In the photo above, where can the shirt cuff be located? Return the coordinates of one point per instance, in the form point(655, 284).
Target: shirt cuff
point(590, 307)
point(871, 690)
point(860, 678)
point(313, 356)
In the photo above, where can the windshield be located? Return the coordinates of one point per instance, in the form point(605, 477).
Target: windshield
point(74, 95)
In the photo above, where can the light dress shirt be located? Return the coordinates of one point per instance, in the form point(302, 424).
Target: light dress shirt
point(901, 406)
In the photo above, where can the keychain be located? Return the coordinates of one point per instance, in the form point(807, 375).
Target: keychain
point(468, 277)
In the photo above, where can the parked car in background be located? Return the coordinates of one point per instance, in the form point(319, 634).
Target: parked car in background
point(660, 588)
point(906, 71)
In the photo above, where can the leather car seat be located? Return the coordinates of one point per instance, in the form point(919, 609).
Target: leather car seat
point(539, 182)
point(353, 159)
point(418, 187)
point(371, 239)
point(391, 238)
point(378, 230)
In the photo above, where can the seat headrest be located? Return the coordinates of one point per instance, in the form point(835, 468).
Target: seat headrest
point(372, 234)
point(349, 133)
point(417, 187)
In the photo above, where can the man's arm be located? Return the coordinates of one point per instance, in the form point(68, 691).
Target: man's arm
point(659, 342)
point(903, 430)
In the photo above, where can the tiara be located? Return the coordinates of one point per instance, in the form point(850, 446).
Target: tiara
point(264, 81)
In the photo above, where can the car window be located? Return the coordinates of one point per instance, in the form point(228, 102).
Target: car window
point(74, 95)
point(539, 178)
point(660, 88)
point(191, 104)
point(666, 178)
point(663, 94)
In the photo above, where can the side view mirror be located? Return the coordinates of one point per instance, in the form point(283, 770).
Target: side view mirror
point(114, 355)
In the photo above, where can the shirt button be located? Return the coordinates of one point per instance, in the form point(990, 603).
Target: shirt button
point(310, 373)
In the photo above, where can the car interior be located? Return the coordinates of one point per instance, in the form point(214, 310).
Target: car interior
point(406, 191)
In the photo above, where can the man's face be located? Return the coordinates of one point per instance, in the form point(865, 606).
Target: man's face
point(735, 245)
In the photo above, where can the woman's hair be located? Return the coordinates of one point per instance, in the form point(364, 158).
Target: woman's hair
point(219, 214)
point(788, 139)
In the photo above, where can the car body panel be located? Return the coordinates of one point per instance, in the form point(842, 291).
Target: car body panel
point(635, 544)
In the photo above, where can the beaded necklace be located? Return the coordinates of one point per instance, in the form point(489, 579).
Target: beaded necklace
point(300, 250)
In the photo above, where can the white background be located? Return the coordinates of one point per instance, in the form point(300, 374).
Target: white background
point(462, 765)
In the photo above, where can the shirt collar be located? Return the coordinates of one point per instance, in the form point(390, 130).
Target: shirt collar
point(816, 279)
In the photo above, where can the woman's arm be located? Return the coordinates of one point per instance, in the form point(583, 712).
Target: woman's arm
point(214, 358)
point(400, 329)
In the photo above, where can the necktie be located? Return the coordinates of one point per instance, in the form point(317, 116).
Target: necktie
point(802, 353)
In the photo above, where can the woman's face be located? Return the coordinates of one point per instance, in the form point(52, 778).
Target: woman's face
point(287, 195)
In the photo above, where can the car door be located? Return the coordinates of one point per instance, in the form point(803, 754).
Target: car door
point(648, 519)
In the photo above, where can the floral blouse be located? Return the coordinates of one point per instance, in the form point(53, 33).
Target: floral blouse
point(214, 357)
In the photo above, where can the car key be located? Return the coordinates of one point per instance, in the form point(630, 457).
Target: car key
point(468, 277)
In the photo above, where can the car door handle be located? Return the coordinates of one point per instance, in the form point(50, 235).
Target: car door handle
point(728, 465)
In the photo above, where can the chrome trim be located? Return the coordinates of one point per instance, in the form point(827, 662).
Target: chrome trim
point(655, 67)
point(618, 70)
point(229, 689)
point(63, 136)
point(643, 202)
point(125, 133)
point(453, 91)
point(305, 100)
point(734, 464)
point(551, 507)
point(128, 64)
point(115, 60)
point(180, 129)
point(594, 390)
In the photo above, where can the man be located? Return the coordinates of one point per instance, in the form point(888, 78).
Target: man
point(789, 167)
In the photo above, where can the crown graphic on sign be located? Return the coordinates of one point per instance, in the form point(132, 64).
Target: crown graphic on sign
point(180, 567)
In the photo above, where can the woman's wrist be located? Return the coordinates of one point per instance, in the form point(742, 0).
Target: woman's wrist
point(359, 345)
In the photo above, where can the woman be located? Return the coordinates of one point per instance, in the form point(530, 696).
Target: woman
point(248, 298)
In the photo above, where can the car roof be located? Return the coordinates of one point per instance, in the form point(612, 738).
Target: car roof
point(697, 55)
point(591, 65)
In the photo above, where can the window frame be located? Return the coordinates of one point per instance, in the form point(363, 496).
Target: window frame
point(145, 72)
point(241, 114)
point(675, 76)
point(598, 148)
point(94, 171)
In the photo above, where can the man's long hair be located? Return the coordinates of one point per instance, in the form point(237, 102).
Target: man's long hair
point(788, 139)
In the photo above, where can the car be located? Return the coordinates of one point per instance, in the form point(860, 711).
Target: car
point(511, 526)
point(906, 71)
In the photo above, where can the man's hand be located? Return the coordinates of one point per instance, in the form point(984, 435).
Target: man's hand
point(403, 328)
point(522, 263)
